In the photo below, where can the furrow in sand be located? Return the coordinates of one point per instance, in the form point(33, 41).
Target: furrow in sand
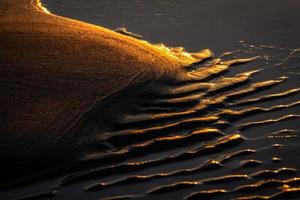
point(200, 108)
point(202, 73)
point(228, 83)
point(267, 97)
point(145, 120)
point(135, 135)
point(210, 147)
point(237, 114)
point(268, 173)
point(286, 192)
point(266, 122)
point(189, 184)
point(205, 166)
point(199, 88)
point(174, 141)
point(239, 61)
point(255, 87)
point(250, 163)
point(163, 143)
point(284, 133)
point(220, 84)
point(244, 188)
point(233, 114)
point(178, 101)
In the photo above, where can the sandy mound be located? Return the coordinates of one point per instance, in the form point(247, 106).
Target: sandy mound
point(54, 70)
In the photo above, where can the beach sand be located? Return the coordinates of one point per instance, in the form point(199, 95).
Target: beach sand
point(54, 70)
point(88, 113)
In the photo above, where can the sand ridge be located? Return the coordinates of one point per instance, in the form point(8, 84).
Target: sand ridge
point(213, 129)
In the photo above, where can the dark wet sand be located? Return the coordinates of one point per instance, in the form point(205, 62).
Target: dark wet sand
point(223, 128)
point(214, 24)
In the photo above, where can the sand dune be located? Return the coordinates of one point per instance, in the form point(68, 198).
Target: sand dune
point(131, 120)
point(54, 70)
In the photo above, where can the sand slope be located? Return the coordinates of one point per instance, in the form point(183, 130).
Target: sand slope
point(53, 70)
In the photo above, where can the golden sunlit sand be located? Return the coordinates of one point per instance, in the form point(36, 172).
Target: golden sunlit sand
point(57, 69)
point(100, 114)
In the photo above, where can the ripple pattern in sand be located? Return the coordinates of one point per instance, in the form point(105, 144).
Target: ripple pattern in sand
point(212, 132)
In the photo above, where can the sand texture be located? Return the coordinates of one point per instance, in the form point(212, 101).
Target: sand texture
point(88, 113)
point(54, 70)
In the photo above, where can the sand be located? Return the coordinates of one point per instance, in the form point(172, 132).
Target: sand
point(93, 114)
point(54, 70)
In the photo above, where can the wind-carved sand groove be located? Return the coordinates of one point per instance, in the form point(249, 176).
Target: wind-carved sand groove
point(196, 110)
point(253, 187)
point(202, 130)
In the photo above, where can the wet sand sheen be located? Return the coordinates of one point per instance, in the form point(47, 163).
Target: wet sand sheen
point(184, 125)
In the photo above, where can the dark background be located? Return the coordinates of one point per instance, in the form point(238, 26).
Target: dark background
point(194, 24)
